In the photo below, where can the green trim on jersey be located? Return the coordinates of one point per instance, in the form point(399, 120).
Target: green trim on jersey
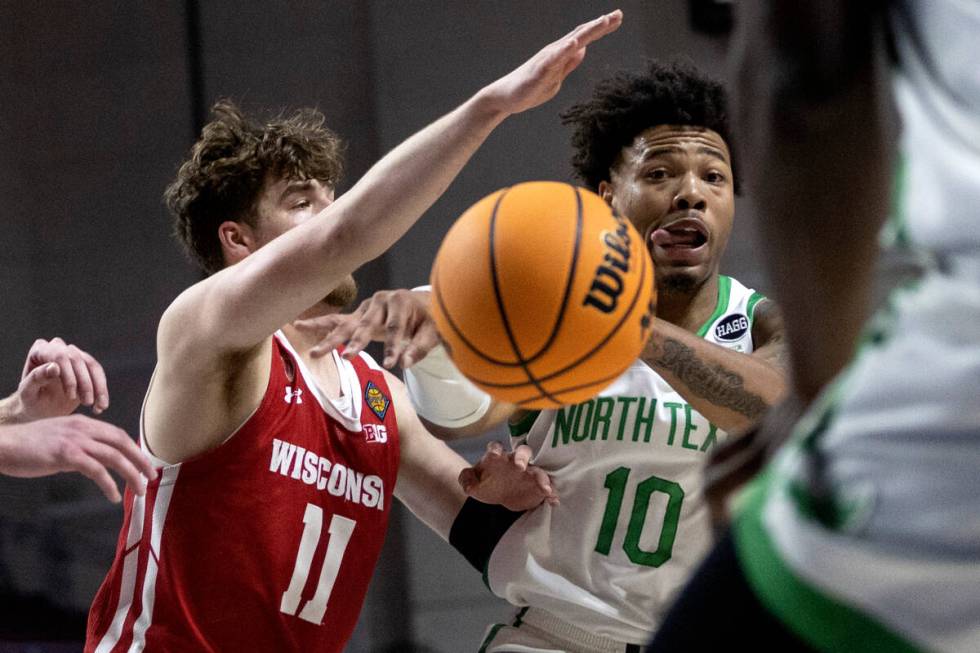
point(524, 424)
point(895, 231)
point(490, 637)
point(724, 296)
point(821, 621)
point(750, 306)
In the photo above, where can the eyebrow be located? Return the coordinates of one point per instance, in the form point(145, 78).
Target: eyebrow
point(673, 149)
point(295, 186)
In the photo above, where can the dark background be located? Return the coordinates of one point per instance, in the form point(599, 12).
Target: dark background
point(99, 103)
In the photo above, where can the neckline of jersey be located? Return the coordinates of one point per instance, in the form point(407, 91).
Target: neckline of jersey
point(345, 410)
point(721, 305)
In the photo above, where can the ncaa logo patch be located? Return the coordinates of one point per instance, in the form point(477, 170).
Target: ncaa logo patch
point(376, 400)
point(732, 328)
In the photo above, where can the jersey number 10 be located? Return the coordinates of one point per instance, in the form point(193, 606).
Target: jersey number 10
point(616, 484)
point(341, 528)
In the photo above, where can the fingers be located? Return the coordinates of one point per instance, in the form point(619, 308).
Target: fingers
point(544, 484)
point(119, 440)
point(334, 330)
point(370, 326)
point(594, 30)
point(78, 460)
point(424, 340)
point(82, 377)
point(468, 479)
point(113, 459)
point(396, 340)
point(39, 377)
point(522, 456)
point(86, 389)
point(99, 383)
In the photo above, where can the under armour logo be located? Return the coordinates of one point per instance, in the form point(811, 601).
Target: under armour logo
point(291, 394)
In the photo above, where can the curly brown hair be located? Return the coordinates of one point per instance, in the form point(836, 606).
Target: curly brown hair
point(229, 165)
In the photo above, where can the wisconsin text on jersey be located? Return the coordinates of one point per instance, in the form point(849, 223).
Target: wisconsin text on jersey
point(339, 480)
point(606, 418)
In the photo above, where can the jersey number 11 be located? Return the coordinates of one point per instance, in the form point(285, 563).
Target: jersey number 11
point(341, 528)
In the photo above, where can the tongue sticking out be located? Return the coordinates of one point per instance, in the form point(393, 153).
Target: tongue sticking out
point(677, 238)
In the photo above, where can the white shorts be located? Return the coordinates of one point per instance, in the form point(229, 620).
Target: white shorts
point(538, 631)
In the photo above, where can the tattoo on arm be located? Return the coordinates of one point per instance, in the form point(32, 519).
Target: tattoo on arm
point(718, 385)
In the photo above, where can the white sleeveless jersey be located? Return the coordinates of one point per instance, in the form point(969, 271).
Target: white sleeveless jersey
point(937, 90)
point(632, 523)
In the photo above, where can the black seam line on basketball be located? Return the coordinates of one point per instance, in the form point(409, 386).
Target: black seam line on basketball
point(571, 278)
point(591, 353)
point(459, 332)
point(501, 310)
point(607, 379)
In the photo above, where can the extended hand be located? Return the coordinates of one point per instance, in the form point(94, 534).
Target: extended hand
point(540, 77)
point(507, 479)
point(400, 318)
point(57, 378)
point(74, 444)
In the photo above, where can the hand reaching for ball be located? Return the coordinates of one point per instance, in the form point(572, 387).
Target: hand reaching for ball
point(399, 318)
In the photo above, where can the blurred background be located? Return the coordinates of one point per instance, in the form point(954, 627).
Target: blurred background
point(99, 103)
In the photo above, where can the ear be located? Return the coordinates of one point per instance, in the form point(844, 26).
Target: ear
point(237, 241)
point(606, 191)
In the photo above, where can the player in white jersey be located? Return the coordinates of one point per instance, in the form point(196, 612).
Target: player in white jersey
point(598, 571)
point(863, 534)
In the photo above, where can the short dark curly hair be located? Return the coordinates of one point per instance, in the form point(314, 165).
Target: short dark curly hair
point(628, 103)
point(229, 165)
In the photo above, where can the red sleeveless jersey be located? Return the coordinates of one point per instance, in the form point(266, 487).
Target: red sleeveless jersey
point(268, 542)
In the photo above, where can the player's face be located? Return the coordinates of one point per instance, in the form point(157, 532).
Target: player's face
point(288, 203)
point(675, 185)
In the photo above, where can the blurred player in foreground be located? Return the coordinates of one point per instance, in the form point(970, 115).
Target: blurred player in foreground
point(39, 435)
point(863, 534)
point(599, 571)
point(277, 469)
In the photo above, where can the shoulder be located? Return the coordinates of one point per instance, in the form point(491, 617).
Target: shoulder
point(767, 321)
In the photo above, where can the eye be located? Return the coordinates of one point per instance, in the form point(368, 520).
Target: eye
point(302, 204)
point(714, 177)
point(657, 174)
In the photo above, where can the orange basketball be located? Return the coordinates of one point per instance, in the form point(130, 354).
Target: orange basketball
point(542, 294)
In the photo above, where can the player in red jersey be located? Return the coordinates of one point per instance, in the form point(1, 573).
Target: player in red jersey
point(277, 469)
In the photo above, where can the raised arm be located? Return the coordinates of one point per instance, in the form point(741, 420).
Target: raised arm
point(239, 307)
point(811, 121)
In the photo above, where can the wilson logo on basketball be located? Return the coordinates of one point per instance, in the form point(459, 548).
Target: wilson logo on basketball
point(607, 285)
point(732, 328)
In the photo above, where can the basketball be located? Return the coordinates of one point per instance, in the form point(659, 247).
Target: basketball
point(543, 295)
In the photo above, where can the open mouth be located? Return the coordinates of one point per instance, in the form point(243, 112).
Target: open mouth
point(684, 234)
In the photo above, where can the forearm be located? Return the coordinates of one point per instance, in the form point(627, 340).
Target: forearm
point(11, 410)
point(812, 122)
point(430, 488)
point(732, 390)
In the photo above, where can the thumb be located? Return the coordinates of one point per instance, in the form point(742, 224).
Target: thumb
point(468, 479)
point(40, 377)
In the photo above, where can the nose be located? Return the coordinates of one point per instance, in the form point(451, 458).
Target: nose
point(689, 195)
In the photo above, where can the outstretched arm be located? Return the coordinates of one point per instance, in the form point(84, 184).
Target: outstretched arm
point(448, 405)
point(239, 307)
point(431, 475)
point(811, 120)
point(733, 390)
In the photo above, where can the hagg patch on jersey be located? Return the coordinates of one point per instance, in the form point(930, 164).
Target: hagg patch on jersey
point(376, 400)
point(732, 328)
